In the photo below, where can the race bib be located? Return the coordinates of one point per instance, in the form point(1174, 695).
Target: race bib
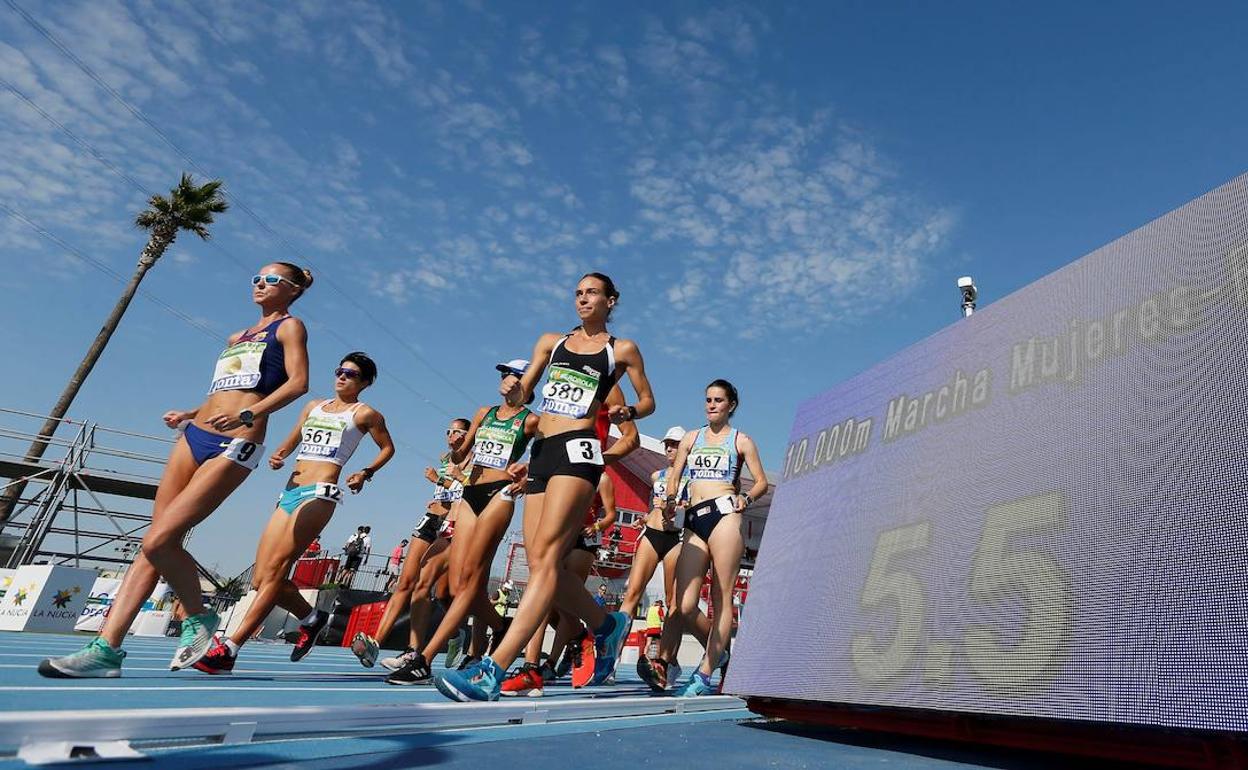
point(330, 492)
point(725, 505)
point(321, 437)
point(420, 525)
point(493, 448)
point(245, 453)
point(708, 463)
point(238, 367)
point(584, 451)
point(568, 392)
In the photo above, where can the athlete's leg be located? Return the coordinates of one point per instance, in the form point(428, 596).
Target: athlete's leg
point(215, 480)
point(141, 578)
point(476, 544)
point(645, 560)
point(690, 572)
point(433, 581)
point(284, 539)
point(577, 564)
point(560, 510)
point(727, 546)
point(409, 576)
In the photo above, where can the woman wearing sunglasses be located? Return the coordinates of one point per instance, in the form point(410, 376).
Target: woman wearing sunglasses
point(428, 532)
point(566, 462)
point(327, 435)
point(496, 439)
point(261, 370)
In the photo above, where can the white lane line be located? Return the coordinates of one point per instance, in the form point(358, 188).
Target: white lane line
point(141, 657)
point(246, 671)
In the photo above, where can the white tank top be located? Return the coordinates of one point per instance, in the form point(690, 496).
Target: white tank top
point(329, 437)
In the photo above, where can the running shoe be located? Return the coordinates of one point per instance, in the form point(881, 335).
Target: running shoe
point(415, 672)
point(497, 636)
point(564, 665)
point(366, 649)
point(96, 660)
point(698, 684)
point(653, 673)
point(308, 636)
point(526, 681)
point(609, 647)
point(399, 661)
point(196, 639)
point(583, 656)
point(548, 674)
point(456, 648)
point(468, 662)
point(672, 675)
point(479, 682)
point(218, 660)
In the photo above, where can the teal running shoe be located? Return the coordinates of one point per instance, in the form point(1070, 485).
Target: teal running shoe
point(609, 647)
point(479, 682)
point(697, 685)
point(196, 640)
point(96, 660)
point(456, 648)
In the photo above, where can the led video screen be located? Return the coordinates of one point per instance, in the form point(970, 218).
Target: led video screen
point(1038, 511)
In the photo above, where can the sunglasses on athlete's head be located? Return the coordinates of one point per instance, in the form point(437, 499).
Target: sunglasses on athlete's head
point(350, 374)
point(271, 279)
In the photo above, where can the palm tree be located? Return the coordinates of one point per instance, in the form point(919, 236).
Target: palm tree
point(189, 207)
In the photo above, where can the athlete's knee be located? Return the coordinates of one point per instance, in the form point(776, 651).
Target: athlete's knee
point(158, 544)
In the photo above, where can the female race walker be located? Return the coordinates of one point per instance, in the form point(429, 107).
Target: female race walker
point(445, 491)
point(565, 465)
point(261, 370)
point(327, 434)
point(497, 438)
point(714, 455)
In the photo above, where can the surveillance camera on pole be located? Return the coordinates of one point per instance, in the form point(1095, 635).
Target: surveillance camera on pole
point(966, 285)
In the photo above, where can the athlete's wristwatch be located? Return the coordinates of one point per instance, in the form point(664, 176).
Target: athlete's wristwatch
point(632, 412)
point(247, 417)
point(748, 500)
point(368, 473)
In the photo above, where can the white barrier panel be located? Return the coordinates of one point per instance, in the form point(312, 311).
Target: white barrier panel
point(43, 597)
point(102, 595)
point(151, 623)
point(6, 578)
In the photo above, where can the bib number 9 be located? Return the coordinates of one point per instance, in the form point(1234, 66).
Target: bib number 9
point(244, 453)
point(584, 450)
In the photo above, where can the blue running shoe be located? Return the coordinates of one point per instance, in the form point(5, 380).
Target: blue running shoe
point(697, 685)
point(610, 646)
point(479, 682)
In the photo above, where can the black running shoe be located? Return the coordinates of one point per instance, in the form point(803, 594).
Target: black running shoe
point(308, 636)
point(415, 672)
point(497, 637)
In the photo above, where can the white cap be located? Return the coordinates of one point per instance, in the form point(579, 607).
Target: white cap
point(674, 433)
point(515, 366)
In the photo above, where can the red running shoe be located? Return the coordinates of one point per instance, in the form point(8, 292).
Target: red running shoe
point(527, 681)
point(217, 660)
point(582, 652)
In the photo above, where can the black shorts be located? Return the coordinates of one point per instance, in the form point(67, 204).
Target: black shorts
point(702, 518)
point(353, 562)
point(661, 540)
point(428, 527)
point(575, 453)
point(479, 495)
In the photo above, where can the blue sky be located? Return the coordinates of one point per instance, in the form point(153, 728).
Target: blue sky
point(783, 194)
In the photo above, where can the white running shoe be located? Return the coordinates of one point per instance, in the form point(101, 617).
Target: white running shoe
point(196, 639)
point(365, 648)
point(399, 661)
point(96, 660)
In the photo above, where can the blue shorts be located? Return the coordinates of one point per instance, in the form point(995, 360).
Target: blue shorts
point(291, 499)
point(205, 445)
point(703, 518)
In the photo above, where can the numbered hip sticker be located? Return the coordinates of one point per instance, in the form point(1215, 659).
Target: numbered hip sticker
point(725, 505)
point(584, 450)
point(245, 453)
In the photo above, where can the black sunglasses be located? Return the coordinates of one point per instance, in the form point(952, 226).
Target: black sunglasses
point(350, 374)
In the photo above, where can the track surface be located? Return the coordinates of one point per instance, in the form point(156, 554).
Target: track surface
point(331, 676)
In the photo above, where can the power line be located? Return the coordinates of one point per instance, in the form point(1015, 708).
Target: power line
point(99, 156)
point(138, 114)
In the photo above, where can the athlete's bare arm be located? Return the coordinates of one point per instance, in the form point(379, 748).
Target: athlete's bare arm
point(375, 424)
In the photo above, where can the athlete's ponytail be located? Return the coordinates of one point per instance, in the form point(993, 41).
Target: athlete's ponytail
point(608, 287)
point(730, 390)
point(301, 276)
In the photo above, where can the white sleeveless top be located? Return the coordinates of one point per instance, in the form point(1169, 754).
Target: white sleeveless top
point(329, 437)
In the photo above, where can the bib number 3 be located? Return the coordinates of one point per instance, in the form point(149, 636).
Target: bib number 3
point(584, 450)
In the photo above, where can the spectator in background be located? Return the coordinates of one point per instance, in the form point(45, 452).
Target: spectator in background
point(601, 597)
point(392, 566)
point(353, 552)
point(503, 599)
point(613, 540)
point(314, 548)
